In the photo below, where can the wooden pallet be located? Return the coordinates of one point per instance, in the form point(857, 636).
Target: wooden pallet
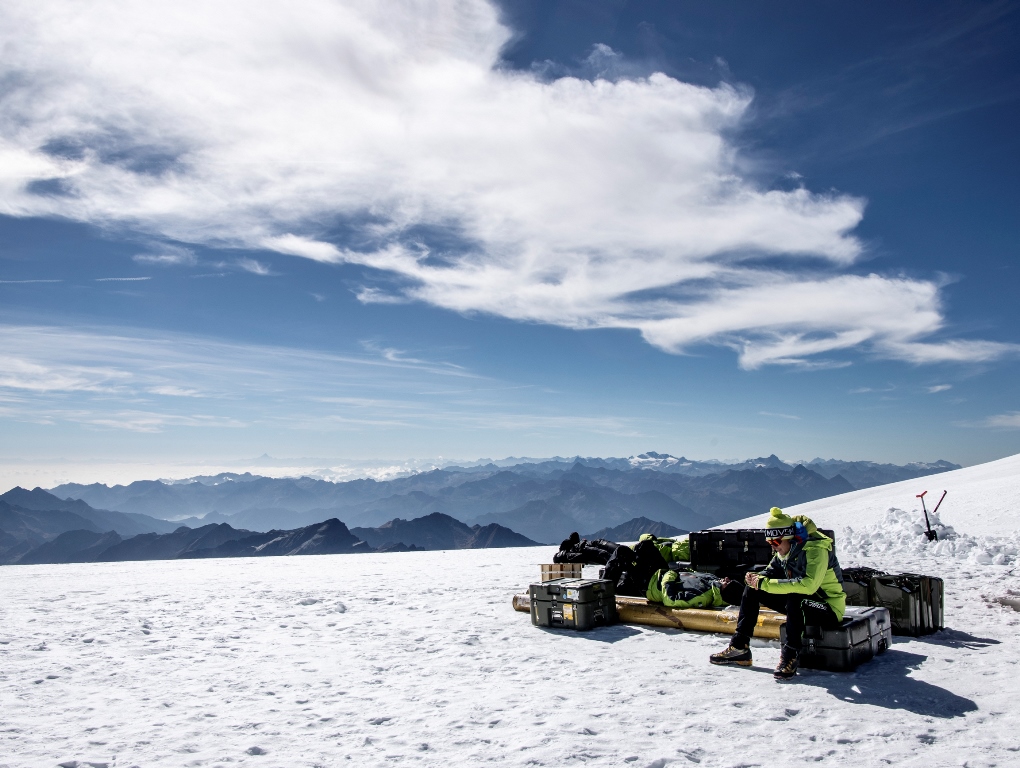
point(552, 571)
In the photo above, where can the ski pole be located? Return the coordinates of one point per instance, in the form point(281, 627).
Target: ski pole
point(932, 535)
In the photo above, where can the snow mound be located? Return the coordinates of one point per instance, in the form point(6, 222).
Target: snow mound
point(901, 533)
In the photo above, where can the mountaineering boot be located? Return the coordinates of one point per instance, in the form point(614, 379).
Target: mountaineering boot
point(733, 655)
point(787, 665)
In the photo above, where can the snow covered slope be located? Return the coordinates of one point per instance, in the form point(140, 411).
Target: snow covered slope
point(983, 500)
point(418, 659)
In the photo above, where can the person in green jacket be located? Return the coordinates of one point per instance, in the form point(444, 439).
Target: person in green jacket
point(684, 589)
point(672, 550)
point(803, 580)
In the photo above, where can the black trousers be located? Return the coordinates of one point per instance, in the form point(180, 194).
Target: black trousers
point(800, 611)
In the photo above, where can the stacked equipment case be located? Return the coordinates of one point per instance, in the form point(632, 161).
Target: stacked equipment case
point(729, 550)
point(580, 604)
point(863, 634)
point(916, 603)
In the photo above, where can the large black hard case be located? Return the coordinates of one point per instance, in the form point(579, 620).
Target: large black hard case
point(580, 604)
point(864, 633)
point(729, 550)
point(857, 584)
point(916, 603)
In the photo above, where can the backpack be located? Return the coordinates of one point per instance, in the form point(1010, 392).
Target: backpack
point(577, 550)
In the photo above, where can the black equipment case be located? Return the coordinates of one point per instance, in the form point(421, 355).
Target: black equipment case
point(915, 602)
point(857, 584)
point(728, 550)
point(573, 603)
point(863, 634)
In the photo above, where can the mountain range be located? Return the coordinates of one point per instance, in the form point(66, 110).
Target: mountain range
point(58, 535)
point(543, 499)
point(484, 505)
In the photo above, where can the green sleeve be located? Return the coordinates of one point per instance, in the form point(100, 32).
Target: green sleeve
point(682, 550)
point(656, 589)
point(817, 565)
point(710, 599)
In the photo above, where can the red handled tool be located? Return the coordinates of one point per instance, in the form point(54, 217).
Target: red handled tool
point(932, 535)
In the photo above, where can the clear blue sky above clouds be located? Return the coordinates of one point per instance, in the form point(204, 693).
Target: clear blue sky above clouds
point(419, 229)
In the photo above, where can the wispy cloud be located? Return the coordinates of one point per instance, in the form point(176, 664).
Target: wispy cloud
point(616, 201)
point(18, 373)
point(253, 266)
point(1010, 420)
point(865, 390)
point(939, 388)
point(779, 415)
point(167, 255)
point(117, 380)
point(173, 391)
point(121, 279)
point(23, 282)
point(399, 356)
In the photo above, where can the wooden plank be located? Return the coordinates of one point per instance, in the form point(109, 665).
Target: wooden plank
point(637, 610)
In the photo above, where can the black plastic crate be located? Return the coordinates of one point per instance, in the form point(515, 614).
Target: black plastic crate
point(730, 549)
point(579, 604)
point(916, 603)
point(857, 584)
point(863, 634)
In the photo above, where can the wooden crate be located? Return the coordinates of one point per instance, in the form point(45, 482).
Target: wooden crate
point(552, 571)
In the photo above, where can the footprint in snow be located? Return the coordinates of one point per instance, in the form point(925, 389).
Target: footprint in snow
point(255, 751)
point(309, 601)
point(379, 720)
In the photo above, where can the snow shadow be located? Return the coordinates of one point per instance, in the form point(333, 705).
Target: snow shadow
point(885, 682)
point(953, 638)
point(611, 634)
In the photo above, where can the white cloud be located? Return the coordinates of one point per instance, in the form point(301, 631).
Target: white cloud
point(939, 388)
point(253, 266)
point(779, 415)
point(110, 379)
point(174, 391)
point(1009, 420)
point(585, 204)
point(167, 255)
point(121, 279)
point(26, 374)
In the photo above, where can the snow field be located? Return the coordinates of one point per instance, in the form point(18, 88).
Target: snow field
point(419, 659)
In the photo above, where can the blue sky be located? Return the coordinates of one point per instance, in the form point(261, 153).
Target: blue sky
point(352, 230)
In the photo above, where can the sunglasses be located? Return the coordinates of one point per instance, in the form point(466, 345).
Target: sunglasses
point(774, 542)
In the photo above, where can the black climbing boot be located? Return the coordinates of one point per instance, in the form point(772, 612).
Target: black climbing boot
point(787, 665)
point(733, 655)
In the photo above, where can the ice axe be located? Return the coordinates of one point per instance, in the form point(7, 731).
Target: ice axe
point(932, 535)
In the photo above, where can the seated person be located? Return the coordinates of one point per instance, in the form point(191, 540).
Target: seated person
point(803, 580)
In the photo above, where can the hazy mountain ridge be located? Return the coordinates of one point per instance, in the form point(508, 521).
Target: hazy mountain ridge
point(439, 531)
point(632, 530)
point(541, 499)
point(41, 536)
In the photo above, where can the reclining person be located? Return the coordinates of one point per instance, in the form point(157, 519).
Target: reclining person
point(672, 550)
point(684, 589)
point(803, 580)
